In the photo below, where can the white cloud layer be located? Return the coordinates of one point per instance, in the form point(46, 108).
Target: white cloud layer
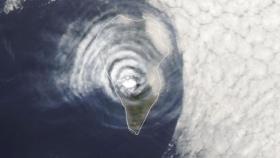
point(11, 5)
point(232, 77)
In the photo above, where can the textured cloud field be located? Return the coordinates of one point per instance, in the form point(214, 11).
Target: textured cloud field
point(231, 75)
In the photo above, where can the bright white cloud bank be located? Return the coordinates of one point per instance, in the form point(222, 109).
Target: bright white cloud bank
point(232, 77)
point(11, 5)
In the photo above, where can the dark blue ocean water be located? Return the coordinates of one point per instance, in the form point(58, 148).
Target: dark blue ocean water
point(34, 121)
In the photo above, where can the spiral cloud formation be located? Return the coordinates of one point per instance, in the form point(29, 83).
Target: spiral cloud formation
point(126, 58)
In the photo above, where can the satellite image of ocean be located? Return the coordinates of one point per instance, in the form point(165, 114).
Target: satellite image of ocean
point(139, 78)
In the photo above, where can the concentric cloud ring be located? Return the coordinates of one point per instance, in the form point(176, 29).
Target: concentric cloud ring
point(125, 57)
